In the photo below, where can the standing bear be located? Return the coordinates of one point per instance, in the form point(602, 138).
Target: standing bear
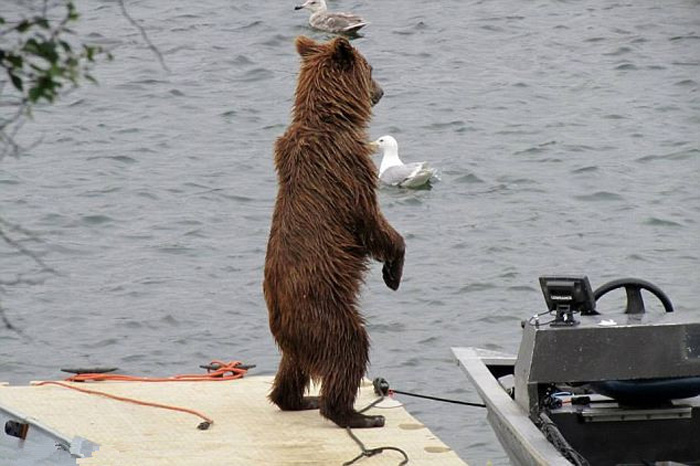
point(325, 228)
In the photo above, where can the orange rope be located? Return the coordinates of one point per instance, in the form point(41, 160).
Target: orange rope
point(212, 375)
point(203, 426)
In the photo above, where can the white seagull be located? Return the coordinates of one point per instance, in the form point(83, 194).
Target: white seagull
point(394, 172)
point(325, 20)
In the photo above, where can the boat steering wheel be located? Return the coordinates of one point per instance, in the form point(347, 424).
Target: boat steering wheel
point(633, 287)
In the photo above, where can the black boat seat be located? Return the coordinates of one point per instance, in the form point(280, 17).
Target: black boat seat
point(648, 391)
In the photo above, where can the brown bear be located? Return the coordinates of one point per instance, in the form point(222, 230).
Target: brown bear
point(325, 227)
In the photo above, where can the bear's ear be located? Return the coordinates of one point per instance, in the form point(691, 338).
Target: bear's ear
point(306, 46)
point(343, 53)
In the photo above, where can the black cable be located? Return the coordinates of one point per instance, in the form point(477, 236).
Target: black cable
point(534, 321)
point(381, 387)
point(556, 438)
point(372, 404)
point(435, 398)
point(372, 451)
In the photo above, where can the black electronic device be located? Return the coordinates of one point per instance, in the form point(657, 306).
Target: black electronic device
point(566, 296)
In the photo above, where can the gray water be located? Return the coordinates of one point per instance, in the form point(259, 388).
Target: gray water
point(566, 134)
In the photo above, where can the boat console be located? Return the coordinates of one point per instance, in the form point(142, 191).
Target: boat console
point(616, 388)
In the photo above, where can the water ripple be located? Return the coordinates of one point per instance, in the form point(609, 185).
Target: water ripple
point(600, 196)
point(97, 219)
point(654, 221)
point(469, 178)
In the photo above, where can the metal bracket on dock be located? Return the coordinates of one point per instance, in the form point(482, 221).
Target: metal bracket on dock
point(42, 437)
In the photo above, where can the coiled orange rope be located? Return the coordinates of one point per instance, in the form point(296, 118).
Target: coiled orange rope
point(218, 372)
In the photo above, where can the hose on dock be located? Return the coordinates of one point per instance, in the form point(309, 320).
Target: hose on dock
point(217, 371)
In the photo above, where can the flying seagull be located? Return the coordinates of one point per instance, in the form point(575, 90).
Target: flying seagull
point(394, 172)
point(328, 21)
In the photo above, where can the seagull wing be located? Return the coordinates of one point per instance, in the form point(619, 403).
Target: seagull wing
point(355, 27)
point(397, 174)
point(339, 22)
point(410, 175)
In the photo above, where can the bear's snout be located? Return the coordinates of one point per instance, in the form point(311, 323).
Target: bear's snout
point(377, 93)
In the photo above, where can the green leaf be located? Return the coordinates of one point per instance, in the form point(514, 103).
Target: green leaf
point(47, 88)
point(55, 71)
point(31, 46)
point(16, 81)
point(42, 22)
point(72, 13)
point(89, 52)
point(35, 94)
point(23, 26)
point(48, 51)
point(15, 60)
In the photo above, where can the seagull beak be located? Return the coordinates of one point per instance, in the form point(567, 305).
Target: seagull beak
point(298, 7)
point(374, 145)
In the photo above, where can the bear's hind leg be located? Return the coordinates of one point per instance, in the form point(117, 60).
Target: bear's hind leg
point(337, 400)
point(289, 386)
point(341, 382)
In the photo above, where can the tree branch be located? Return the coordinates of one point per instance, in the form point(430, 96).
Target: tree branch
point(9, 326)
point(144, 35)
point(20, 279)
point(45, 268)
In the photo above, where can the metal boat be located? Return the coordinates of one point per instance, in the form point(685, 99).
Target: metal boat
point(595, 389)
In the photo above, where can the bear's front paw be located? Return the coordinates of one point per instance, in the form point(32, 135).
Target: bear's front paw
point(391, 276)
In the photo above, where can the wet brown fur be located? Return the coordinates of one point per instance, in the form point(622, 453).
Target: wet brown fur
point(325, 228)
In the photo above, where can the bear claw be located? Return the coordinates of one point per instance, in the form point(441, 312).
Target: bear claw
point(359, 421)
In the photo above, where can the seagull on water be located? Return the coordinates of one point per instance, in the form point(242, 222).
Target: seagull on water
point(325, 20)
point(394, 172)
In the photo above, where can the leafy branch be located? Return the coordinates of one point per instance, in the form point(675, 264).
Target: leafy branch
point(42, 61)
point(40, 64)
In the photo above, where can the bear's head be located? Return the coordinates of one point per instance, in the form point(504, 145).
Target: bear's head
point(335, 82)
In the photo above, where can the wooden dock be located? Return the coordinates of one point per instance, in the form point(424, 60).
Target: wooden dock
point(247, 429)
